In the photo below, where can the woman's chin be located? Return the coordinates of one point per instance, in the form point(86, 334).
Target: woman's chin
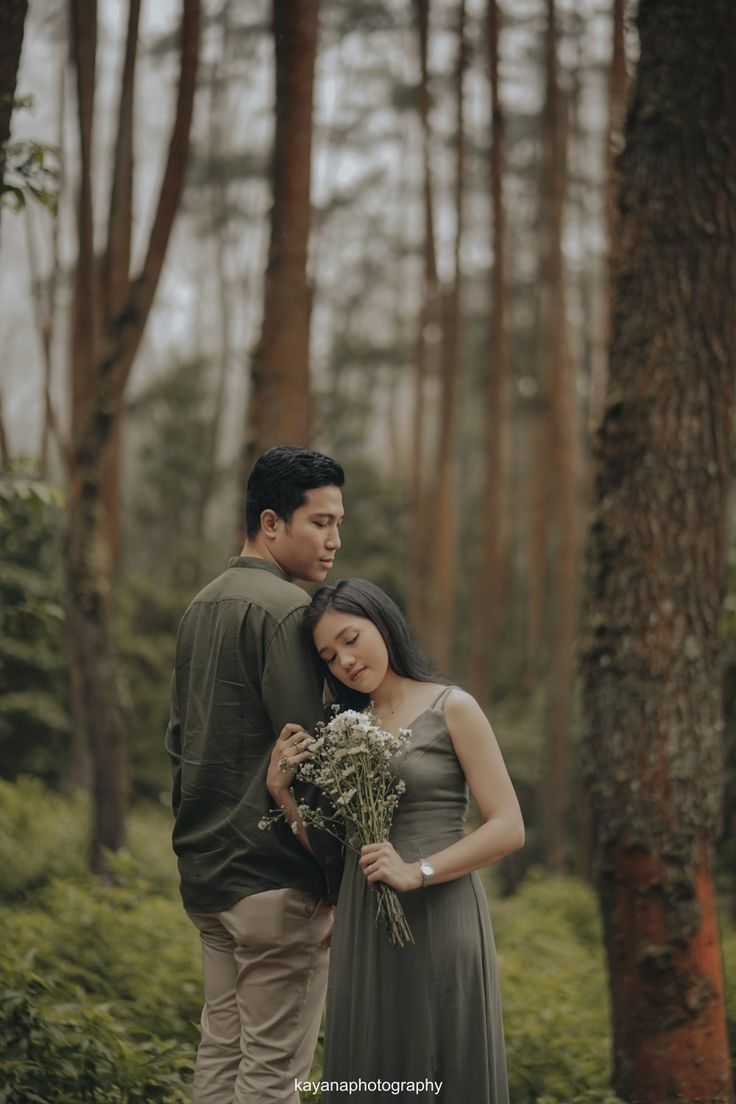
point(364, 684)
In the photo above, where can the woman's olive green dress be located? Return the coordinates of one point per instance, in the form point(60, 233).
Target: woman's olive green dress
point(431, 1010)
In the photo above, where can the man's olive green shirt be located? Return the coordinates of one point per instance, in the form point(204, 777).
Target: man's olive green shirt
point(244, 667)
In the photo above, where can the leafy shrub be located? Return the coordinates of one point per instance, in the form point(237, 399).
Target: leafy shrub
point(138, 952)
point(100, 985)
point(62, 1049)
point(34, 716)
point(44, 836)
point(554, 992)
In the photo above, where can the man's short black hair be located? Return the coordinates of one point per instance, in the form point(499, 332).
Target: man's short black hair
point(281, 478)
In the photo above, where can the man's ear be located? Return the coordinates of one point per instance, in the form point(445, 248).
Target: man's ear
point(270, 522)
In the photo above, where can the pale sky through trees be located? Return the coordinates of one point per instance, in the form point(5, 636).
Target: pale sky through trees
point(353, 89)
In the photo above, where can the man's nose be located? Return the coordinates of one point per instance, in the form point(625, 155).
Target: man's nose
point(333, 539)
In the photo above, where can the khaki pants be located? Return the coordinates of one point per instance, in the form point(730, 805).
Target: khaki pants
point(265, 973)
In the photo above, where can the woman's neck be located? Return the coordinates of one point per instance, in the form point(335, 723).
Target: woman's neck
point(390, 695)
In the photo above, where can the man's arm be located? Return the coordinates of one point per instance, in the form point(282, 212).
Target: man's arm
point(292, 688)
point(173, 746)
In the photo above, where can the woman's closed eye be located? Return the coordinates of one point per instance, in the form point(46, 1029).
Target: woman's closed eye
point(329, 660)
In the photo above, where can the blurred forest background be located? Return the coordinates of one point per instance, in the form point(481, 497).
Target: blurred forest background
point(484, 255)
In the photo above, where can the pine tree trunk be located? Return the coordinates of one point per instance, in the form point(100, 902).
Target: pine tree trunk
point(617, 83)
point(429, 325)
point(444, 539)
point(491, 585)
point(652, 692)
point(280, 406)
point(562, 489)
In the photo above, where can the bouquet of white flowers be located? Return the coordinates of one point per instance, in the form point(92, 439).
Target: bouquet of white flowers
point(352, 762)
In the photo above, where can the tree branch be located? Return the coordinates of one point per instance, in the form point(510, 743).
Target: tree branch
point(116, 268)
point(123, 334)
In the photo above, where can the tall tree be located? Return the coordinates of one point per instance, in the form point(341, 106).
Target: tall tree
point(555, 485)
point(652, 692)
point(12, 24)
point(617, 87)
point(428, 330)
point(280, 407)
point(444, 539)
point(563, 473)
point(110, 314)
point(491, 571)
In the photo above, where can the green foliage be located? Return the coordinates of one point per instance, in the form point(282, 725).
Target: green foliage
point(100, 984)
point(147, 618)
point(172, 478)
point(43, 836)
point(372, 534)
point(30, 170)
point(59, 1049)
point(127, 946)
point(554, 993)
point(34, 719)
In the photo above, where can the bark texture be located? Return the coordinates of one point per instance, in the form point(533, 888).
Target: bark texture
point(280, 409)
point(652, 693)
point(617, 91)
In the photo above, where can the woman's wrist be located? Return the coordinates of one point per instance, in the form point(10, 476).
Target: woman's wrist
point(281, 795)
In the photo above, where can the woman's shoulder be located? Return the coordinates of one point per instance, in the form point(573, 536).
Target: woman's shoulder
point(460, 707)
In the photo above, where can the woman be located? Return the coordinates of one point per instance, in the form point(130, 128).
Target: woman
point(429, 1011)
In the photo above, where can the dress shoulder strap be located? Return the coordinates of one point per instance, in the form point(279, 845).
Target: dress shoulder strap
point(439, 701)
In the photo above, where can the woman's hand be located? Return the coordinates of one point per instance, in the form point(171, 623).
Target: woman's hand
point(381, 862)
point(285, 758)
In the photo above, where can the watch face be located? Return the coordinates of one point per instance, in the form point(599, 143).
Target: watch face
point(426, 869)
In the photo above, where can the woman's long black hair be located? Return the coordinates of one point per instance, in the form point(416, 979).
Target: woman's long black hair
point(364, 599)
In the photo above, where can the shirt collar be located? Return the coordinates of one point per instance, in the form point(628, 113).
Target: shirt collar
point(259, 564)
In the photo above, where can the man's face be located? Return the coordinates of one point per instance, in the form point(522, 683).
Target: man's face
point(305, 546)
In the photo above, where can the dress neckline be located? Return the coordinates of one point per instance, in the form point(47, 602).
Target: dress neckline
point(429, 709)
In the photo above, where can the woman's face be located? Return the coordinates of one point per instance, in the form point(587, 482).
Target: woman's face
point(353, 649)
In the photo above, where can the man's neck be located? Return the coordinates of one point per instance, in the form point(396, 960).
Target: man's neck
point(260, 551)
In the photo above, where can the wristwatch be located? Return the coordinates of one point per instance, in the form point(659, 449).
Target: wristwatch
point(427, 871)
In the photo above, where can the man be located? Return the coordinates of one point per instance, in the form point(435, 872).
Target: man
point(243, 670)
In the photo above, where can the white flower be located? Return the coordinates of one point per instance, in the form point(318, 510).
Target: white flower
point(343, 800)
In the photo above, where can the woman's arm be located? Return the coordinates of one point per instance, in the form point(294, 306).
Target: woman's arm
point(488, 780)
point(285, 757)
